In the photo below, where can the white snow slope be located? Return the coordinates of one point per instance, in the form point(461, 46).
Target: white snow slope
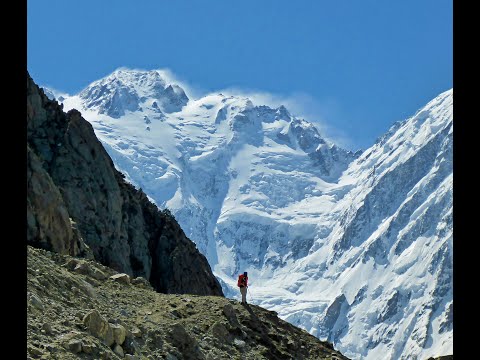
point(354, 248)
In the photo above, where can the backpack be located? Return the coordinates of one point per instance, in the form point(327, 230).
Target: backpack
point(241, 280)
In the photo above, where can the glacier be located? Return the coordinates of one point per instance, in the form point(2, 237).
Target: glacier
point(354, 247)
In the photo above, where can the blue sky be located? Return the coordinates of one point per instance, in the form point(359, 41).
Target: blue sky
point(353, 67)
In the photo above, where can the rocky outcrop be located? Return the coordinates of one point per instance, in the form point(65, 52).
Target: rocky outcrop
point(79, 204)
point(50, 228)
point(73, 315)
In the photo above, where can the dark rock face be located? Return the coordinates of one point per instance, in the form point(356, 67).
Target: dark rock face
point(52, 227)
point(79, 204)
point(331, 159)
point(173, 99)
point(332, 315)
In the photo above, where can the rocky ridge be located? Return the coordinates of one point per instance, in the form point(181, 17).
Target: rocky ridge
point(80, 309)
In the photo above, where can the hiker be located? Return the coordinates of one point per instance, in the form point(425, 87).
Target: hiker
point(242, 283)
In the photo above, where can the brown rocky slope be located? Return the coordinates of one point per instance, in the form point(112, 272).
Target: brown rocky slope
point(80, 309)
point(79, 204)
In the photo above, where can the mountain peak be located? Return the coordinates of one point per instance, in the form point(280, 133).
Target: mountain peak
point(127, 90)
point(283, 112)
point(435, 115)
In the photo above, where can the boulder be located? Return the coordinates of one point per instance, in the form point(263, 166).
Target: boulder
point(34, 350)
point(71, 264)
point(229, 313)
point(117, 349)
point(88, 289)
point(141, 281)
point(75, 346)
point(184, 342)
point(47, 328)
point(239, 343)
point(119, 333)
point(88, 348)
point(121, 278)
point(219, 331)
point(131, 346)
point(36, 302)
point(82, 268)
point(98, 274)
point(99, 327)
point(85, 268)
point(136, 332)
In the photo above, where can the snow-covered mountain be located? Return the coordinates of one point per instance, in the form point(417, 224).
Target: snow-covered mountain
point(354, 247)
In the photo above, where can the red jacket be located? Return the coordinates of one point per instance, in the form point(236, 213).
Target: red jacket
point(242, 280)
